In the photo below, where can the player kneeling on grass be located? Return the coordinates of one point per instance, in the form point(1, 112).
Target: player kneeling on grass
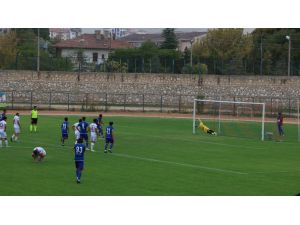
point(205, 129)
point(109, 139)
point(38, 153)
point(79, 149)
point(94, 132)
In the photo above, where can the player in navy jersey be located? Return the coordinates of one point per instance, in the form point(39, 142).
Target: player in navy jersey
point(3, 114)
point(79, 150)
point(83, 132)
point(109, 137)
point(64, 131)
point(100, 124)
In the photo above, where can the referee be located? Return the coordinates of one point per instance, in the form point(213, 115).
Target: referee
point(34, 119)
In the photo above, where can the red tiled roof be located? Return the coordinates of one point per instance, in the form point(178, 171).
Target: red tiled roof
point(89, 41)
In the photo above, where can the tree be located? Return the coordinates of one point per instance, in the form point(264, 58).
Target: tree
point(44, 33)
point(224, 50)
point(170, 40)
point(8, 43)
point(186, 55)
point(275, 50)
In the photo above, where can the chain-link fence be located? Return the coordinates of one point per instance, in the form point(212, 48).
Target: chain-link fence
point(77, 101)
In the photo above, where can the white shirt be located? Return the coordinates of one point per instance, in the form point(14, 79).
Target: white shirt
point(76, 127)
point(2, 126)
point(16, 121)
point(40, 150)
point(93, 128)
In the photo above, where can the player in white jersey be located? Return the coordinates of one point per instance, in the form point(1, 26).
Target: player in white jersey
point(3, 136)
point(17, 127)
point(76, 130)
point(38, 153)
point(93, 128)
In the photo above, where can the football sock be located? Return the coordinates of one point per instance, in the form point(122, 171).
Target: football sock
point(92, 146)
point(13, 136)
point(105, 146)
point(0, 143)
point(35, 127)
point(6, 143)
point(16, 138)
point(79, 174)
point(30, 128)
point(111, 145)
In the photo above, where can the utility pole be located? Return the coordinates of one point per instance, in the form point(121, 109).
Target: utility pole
point(289, 55)
point(192, 53)
point(261, 56)
point(38, 53)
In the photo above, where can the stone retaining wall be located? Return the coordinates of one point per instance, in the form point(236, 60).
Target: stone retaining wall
point(137, 88)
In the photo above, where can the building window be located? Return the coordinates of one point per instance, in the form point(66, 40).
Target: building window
point(103, 57)
point(95, 57)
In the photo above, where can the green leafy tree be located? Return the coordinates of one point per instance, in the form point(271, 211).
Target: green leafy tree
point(8, 50)
point(44, 33)
point(224, 50)
point(170, 39)
point(275, 50)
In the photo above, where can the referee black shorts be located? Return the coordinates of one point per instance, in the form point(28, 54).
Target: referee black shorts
point(34, 120)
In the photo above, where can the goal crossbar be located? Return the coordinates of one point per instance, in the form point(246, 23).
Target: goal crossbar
point(232, 102)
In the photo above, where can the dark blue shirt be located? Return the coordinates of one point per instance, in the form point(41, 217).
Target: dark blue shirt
point(64, 127)
point(99, 121)
point(109, 131)
point(79, 152)
point(82, 127)
point(1, 116)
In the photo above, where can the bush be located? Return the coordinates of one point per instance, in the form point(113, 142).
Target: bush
point(113, 66)
point(198, 68)
point(187, 69)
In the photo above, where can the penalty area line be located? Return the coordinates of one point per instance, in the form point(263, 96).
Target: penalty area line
point(180, 164)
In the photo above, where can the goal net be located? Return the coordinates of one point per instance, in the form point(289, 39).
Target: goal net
point(230, 118)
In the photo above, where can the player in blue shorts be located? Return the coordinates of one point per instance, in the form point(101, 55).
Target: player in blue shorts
point(64, 131)
point(109, 137)
point(83, 132)
point(100, 124)
point(79, 150)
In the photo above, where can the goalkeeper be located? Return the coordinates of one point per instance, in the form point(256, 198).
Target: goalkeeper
point(205, 129)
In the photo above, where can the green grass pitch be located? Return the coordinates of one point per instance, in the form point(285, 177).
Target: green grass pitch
point(152, 156)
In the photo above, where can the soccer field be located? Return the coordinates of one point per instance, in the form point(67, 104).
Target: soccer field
point(152, 156)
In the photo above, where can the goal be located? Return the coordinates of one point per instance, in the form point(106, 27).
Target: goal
point(231, 118)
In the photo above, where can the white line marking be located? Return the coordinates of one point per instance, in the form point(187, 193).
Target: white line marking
point(199, 140)
point(156, 160)
point(179, 164)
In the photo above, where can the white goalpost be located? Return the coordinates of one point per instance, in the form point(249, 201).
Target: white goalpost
point(222, 114)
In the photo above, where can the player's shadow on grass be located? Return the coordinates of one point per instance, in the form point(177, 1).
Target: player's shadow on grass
point(297, 194)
